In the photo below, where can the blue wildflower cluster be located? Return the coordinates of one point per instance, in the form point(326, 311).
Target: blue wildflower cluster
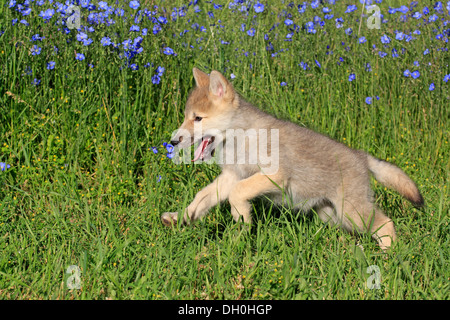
point(169, 149)
point(135, 36)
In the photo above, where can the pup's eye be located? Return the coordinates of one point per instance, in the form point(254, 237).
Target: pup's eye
point(198, 118)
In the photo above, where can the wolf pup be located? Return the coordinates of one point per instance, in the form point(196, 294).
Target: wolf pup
point(305, 169)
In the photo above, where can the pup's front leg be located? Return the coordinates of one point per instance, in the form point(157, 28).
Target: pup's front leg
point(249, 188)
point(205, 199)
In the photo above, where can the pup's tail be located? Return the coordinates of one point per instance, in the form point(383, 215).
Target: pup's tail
point(393, 177)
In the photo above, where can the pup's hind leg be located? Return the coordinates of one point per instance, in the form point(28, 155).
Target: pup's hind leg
point(382, 229)
point(328, 215)
point(361, 215)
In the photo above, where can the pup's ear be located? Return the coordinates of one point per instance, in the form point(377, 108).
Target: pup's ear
point(218, 85)
point(201, 78)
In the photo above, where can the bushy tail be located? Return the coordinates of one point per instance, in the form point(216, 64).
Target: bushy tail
point(393, 177)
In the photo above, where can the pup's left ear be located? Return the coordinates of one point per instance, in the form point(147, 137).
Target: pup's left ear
point(201, 78)
point(218, 85)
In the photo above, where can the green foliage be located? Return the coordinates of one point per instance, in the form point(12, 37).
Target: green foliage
point(84, 185)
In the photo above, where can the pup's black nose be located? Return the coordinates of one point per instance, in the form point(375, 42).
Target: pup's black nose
point(174, 142)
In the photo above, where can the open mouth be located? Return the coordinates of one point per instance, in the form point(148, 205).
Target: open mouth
point(205, 149)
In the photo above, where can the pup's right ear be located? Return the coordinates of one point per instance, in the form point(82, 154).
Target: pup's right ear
point(201, 78)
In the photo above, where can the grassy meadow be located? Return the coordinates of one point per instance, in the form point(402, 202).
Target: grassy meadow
point(86, 113)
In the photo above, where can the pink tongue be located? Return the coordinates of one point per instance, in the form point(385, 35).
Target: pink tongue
point(199, 151)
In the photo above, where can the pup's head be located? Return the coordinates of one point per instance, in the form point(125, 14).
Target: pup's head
point(209, 112)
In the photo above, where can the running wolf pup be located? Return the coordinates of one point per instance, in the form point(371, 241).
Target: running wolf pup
point(313, 171)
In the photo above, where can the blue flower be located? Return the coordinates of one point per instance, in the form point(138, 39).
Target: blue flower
point(170, 150)
point(106, 41)
point(438, 6)
point(259, 7)
point(407, 73)
point(339, 23)
point(251, 32)
point(362, 40)
point(350, 8)
point(160, 70)
point(408, 38)
point(155, 150)
point(26, 12)
point(446, 78)
point(351, 77)
point(304, 65)
point(127, 44)
point(37, 37)
point(385, 39)
point(4, 166)
point(288, 22)
point(87, 42)
point(80, 56)
point(283, 84)
point(47, 14)
point(169, 147)
point(82, 36)
point(134, 28)
point(432, 86)
point(51, 65)
point(168, 51)
point(369, 100)
point(433, 18)
point(403, 9)
point(35, 50)
point(156, 29)
point(394, 53)
point(318, 64)
point(170, 155)
point(102, 5)
point(134, 4)
point(156, 79)
point(309, 25)
point(415, 74)
point(426, 52)
point(399, 36)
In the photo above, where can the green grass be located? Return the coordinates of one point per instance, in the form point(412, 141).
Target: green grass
point(82, 188)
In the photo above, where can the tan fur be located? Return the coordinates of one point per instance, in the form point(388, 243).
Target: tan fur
point(315, 171)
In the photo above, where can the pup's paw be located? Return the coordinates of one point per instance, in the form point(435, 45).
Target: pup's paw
point(169, 218)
